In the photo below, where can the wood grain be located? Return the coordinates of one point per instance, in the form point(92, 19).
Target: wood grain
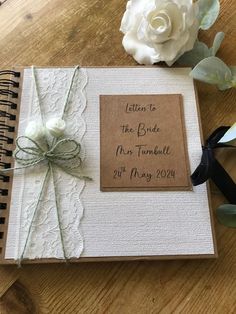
point(57, 33)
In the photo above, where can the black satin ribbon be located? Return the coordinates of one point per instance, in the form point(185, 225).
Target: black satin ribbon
point(209, 167)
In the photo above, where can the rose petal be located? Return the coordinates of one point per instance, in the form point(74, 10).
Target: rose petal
point(142, 53)
point(176, 17)
point(161, 33)
point(187, 3)
point(189, 44)
point(190, 16)
point(151, 36)
point(133, 9)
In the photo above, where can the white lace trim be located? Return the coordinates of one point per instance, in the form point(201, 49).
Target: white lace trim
point(44, 241)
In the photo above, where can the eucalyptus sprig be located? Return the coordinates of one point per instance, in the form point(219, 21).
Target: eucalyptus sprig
point(201, 51)
point(226, 215)
point(206, 66)
point(213, 70)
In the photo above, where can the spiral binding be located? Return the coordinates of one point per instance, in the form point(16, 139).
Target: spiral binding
point(8, 107)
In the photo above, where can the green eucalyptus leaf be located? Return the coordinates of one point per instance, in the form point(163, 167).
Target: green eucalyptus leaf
point(217, 43)
point(208, 13)
point(214, 71)
point(192, 58)
point(226, 215)
point(200, 51)
point(233, 71)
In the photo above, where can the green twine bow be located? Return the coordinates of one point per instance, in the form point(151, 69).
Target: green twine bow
point(59, 154)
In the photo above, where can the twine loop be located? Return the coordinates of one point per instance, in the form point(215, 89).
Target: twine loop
point(28, 152)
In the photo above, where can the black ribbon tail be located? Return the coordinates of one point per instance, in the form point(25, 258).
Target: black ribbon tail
point(224, 182)
point(205, 168)
point(209, 167)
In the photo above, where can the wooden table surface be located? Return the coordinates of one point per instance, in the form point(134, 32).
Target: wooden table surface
point(61, 33)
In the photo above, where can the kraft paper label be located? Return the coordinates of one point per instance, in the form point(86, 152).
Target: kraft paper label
point(143, 143)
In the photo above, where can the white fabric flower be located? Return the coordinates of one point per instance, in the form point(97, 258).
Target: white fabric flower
point(35, 130)
point(159, 30)
point(56, 126)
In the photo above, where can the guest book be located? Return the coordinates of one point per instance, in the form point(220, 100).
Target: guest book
point(139, 136)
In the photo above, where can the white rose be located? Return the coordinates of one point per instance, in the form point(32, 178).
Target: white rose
point(56, 126)
point(159, 30)
point(35, 130)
